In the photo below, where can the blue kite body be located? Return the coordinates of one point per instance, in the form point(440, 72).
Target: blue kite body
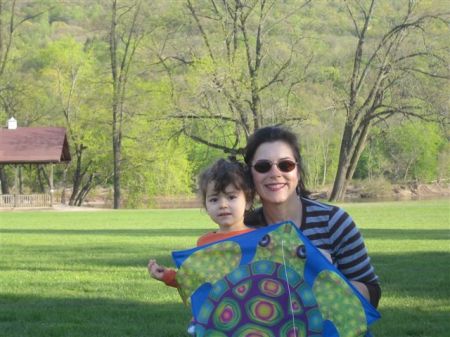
point(271, 282)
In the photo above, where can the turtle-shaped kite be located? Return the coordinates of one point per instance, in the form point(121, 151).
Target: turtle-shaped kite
point(271, 282)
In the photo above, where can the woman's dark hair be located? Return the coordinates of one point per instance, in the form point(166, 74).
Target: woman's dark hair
point(223, 173)
point(271, 134)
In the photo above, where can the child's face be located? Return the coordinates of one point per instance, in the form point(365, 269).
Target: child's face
point(226, 208)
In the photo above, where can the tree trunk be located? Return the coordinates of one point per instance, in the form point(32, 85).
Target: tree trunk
point(344, 161)
point(77, 177)
point(116, 125)
point(352, 146)
point(64, 181)
point(85, 190)
point(117, 161)
point(359, 148)
point(43, 178)
point(20, 180)
point(4, 180)
point(121, 60)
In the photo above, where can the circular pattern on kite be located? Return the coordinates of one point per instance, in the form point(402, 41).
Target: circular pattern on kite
point(264, 299)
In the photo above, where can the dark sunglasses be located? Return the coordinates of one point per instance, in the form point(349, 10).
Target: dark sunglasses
point(284, 165)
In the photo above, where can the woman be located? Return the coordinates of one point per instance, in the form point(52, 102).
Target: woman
point(273, 157)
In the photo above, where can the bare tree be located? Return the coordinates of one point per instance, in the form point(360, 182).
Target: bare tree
point(124, 38)
point(245, 73)
point(386, 78)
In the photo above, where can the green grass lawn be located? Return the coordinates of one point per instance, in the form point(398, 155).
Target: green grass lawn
point(84, 273)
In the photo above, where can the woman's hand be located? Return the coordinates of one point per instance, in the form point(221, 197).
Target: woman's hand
point(362, 289)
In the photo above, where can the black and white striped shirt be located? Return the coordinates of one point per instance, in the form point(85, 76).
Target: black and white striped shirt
point(333, 230)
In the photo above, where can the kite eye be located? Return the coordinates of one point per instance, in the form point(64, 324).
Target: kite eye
point(301, 252)
point(264, 242)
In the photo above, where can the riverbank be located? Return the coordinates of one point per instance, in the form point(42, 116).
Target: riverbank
point(380, 190)
point(359, 192)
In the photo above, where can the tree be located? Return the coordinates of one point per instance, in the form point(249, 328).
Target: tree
point(388, 71)
point(241, 68)
point(10, 21)
point(68, 67)
point(124, 38)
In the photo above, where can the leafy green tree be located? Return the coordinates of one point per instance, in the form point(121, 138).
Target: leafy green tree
point(154, 164)
point(13, 19)
point(67, 70)
point(414, 151)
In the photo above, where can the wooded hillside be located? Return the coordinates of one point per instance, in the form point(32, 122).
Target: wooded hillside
point(153, 91)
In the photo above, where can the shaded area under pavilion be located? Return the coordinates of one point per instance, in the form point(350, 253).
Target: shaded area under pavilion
point(33, 146)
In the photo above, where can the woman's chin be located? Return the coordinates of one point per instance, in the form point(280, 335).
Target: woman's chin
point(275, 199)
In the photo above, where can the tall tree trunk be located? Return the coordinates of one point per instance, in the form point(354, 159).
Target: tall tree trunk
point(116, 125)
point(120, 65)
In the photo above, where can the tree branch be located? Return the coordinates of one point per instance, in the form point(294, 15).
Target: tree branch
point(200, 27)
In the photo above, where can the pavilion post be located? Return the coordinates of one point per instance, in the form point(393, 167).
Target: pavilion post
point(16, 179)
point(51, 185)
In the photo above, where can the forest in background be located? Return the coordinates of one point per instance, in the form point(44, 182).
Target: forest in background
point(152, 92)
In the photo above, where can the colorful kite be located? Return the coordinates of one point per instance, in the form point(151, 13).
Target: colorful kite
point(271, 282)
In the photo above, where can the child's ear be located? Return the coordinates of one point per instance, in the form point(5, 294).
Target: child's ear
point(248, 206)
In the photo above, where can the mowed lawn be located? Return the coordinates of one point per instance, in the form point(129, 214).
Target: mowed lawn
point(84, 273)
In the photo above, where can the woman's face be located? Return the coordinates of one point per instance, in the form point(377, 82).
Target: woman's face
point(275, 186)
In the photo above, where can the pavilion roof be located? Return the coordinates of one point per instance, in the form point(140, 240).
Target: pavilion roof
point(37, 145)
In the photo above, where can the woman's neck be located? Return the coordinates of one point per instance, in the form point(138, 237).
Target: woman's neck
point(290, 210)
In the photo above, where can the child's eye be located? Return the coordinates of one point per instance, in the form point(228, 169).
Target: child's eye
point(212, 200)
point(232, 196)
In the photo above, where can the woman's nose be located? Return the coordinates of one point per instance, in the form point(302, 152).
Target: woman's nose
point(275, 170)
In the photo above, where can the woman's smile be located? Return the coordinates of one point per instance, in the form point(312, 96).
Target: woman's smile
point(274, 187)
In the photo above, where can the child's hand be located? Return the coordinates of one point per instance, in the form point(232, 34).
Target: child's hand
point(155, 270)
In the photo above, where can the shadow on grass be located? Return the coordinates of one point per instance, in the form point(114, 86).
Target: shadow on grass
point(411, 322)
point(110, 232)
point(23, 316)
point(419, 275)
point(89, 264)
point(406, 234)
point(369, 233)
point(32, 316)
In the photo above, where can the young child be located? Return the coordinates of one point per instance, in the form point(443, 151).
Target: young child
point(226, 195)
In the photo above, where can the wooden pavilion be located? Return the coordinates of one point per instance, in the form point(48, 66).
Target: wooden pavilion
point(34, 146)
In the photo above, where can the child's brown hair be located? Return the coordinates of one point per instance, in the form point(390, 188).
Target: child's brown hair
point(226, 172)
